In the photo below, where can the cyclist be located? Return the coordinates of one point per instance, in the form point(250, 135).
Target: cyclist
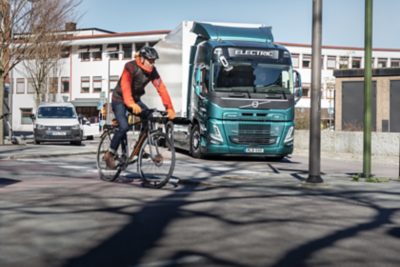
point(126, 96)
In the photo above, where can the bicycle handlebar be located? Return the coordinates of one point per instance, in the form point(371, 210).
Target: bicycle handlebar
point(163, 118)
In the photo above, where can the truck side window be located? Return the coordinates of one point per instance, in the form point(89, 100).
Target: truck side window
point(205, 80)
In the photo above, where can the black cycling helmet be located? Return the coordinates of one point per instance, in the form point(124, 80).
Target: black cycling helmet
point(148, 52)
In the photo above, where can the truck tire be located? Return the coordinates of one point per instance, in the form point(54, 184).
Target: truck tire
point(195, 138)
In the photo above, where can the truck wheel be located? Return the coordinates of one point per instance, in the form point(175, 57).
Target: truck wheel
point(195, 138)
point(37, 142)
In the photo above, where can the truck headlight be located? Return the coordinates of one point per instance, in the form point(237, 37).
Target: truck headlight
point(289, 135)
point(216, 136)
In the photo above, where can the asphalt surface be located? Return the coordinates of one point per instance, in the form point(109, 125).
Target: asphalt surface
point(224, 213)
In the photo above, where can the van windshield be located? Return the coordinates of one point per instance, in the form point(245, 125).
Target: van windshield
point(56, 112)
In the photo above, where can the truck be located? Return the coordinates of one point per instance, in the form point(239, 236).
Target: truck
point(235, 87)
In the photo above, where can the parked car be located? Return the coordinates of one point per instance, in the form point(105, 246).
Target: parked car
point(90, 130)
point(57, 122)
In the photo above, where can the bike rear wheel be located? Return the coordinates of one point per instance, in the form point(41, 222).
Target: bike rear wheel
point(105, 173)
point(156, 160)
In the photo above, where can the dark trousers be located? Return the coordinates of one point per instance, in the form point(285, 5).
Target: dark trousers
point(120, 113)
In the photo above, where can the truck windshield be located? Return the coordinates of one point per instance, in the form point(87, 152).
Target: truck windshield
point(253, 77)
point(56, 112)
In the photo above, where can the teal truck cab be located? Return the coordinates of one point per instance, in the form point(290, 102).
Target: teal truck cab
point(238, 91)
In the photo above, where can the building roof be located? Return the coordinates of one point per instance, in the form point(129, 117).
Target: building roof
point(339, 47)
point(360, 72)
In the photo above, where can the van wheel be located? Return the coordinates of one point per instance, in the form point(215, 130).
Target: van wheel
point(76, 143)
point(195, 139)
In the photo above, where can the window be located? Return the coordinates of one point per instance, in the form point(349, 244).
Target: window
point(97, 84)
point(84, 53)
point(53, 88)
point(65, 52)
point(395, 62)
point(306, 90)
point(331, 62)
point(306, 63)
point(138, 46)
point(113, 81)
point(382, 62)
point(343, 63)
point(127, 48)
point(96, 51)
point(20, 86)
point(30, 87)
point(295, 60)
point(356, 63)
point(64, 85)
point(113, 49)
point(26, 115)
point(85, 84)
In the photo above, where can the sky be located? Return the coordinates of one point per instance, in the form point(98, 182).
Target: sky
point(291, 20)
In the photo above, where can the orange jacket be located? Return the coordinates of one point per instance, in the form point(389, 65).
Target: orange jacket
point(131, 90)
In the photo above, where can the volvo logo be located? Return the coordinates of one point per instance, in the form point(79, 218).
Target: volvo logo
point(58, 128)
point(254, 104)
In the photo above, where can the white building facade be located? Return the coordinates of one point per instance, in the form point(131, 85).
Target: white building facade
point(95, 58)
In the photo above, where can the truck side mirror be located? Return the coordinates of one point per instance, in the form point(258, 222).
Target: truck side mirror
point(298, 90)
point(225, 63)
point(33, 117)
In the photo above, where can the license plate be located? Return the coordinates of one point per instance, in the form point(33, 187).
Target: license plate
point(254, 150)
point(59, 133)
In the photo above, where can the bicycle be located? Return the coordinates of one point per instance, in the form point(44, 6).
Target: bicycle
point(153, 150)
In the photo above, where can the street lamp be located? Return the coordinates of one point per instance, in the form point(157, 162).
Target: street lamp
point(109, 53)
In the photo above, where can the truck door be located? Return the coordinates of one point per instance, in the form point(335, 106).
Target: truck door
point(201, 92)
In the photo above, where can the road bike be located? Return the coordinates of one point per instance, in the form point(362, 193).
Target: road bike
point(149, 144)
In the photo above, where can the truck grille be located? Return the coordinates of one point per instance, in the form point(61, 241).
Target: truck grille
point(254, 134)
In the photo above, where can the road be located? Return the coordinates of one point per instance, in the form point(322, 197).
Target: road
point(230, 212)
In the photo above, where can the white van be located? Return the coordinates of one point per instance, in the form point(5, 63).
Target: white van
point(57, 122)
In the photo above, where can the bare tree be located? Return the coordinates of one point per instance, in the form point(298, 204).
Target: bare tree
point(48, 40)
point(31, 31)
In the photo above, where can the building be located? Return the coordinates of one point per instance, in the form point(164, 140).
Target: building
point(91, 64)
point(94, 59)
point(385, 100)
point(333, 58)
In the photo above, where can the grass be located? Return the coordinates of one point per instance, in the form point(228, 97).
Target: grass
point(357, 177)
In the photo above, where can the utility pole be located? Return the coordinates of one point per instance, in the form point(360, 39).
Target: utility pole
point(315, 114)
point(108, 119)
point(367, 90)
point(1, 80)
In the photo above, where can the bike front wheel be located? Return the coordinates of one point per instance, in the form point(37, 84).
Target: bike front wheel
point(105, 173)
point(156, 160)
